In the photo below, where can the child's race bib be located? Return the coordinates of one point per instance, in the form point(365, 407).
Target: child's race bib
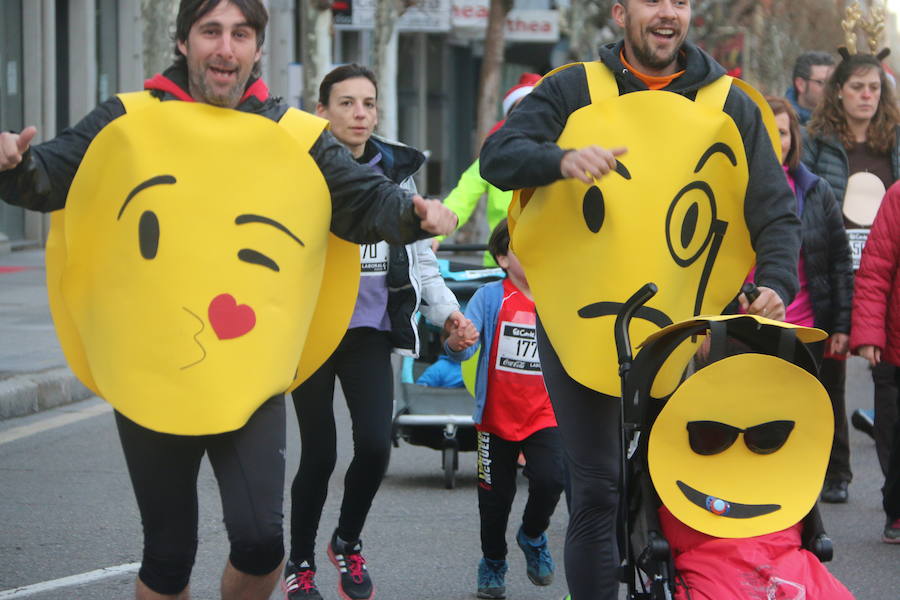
point(517, 349)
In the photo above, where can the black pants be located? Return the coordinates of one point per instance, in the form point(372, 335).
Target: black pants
point(589, 428)
point(497, 459)
point(362, 362)
point(833, 376)
point(891, 492)
point(249, 466)
point(886, 411)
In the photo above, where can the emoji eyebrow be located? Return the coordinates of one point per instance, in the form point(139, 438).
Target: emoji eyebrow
point(158, 180)
point(243, 219)
point(715, 148)
point(622, 170)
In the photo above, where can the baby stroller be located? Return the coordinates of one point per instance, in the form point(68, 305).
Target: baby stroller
point(440, 418)
point(647, 560)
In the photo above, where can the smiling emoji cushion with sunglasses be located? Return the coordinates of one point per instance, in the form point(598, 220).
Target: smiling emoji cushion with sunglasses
point(740, 449)
point(672, 213)
point(186, 272)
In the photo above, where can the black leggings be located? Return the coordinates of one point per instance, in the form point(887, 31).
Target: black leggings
point(497, 459)
point(887, 411)
point(891, 491)
point(833, 377)
point(362, 362)
point(589, 427)
point(249, 466)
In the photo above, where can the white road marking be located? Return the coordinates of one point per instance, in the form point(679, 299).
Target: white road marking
point(67, 418)
point(72, 580)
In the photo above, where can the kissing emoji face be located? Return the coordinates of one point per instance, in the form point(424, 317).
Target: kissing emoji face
point(740, 448)
point(188, 264)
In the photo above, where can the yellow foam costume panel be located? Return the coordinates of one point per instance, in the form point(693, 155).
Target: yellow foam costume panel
point(740, 449)
point(185, 272)
point(671, 214)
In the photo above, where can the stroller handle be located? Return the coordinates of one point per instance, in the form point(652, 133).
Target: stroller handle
point(750, 290)
point(623, 319)
point(462, 248)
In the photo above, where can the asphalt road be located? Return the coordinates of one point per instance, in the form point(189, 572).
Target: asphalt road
point(67, 510)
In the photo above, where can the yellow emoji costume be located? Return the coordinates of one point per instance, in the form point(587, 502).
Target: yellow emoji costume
point(737, 456)
point(740, 448)
point(185, 274)
point(769, 477)
point(671, 213)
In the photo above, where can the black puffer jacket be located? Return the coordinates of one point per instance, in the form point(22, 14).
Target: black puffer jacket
point(826, 157)
point(366, 206)
point(826, 252)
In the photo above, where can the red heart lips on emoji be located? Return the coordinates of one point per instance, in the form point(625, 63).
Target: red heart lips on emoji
point(228, 318)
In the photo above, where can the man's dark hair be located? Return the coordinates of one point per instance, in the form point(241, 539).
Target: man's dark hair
point(808, 60)
point(498, 244)
point(342, 73)
point(191, 11)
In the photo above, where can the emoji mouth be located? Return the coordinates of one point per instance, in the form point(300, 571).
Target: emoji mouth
point(605, 309)
point(724, 508)
point(196, 336)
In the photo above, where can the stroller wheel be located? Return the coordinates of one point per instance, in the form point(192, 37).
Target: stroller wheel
point(449, 461)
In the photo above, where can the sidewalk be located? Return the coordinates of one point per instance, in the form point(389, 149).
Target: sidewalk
point(33, 371)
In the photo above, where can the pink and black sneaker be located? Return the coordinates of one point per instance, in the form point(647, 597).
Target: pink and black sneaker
point(299, 582)
point(891, 533)
point(354, 582)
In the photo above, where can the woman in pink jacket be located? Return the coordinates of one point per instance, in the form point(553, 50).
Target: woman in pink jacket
point(875, 331)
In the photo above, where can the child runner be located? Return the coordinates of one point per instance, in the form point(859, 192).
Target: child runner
point(512, 414)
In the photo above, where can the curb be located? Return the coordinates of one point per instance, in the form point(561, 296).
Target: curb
point(29, 393)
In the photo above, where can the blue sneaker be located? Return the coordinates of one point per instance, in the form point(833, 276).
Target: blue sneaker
point(539, 563)
point(492, 578)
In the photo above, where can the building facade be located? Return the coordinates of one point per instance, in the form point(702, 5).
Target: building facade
point(59, 58)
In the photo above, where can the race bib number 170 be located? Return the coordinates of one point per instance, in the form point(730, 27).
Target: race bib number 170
point(373, 258)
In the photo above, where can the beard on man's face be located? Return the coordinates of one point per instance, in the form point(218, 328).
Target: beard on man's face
point(645, 55)
point(227, 98)
point(639, 39)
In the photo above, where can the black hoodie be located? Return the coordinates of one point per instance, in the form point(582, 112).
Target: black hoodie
point(366, 206)
point(524, 154)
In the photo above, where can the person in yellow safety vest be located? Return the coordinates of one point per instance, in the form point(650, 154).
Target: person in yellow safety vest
point(471, 187)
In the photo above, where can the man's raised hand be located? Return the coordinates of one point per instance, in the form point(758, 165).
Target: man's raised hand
point(13, 146)
point(436, 218)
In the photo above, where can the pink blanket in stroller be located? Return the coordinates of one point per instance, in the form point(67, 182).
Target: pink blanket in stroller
point(766, 567)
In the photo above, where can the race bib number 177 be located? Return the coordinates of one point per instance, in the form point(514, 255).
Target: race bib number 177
point(517, 349)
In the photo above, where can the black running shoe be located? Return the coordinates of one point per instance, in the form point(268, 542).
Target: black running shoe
point(864, 420)
point(354, 582)
point(300, 582)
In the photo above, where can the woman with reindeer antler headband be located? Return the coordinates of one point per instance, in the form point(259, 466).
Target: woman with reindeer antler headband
point(853, 142)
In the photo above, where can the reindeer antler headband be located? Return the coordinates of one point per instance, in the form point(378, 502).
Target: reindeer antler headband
point(873, 27)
